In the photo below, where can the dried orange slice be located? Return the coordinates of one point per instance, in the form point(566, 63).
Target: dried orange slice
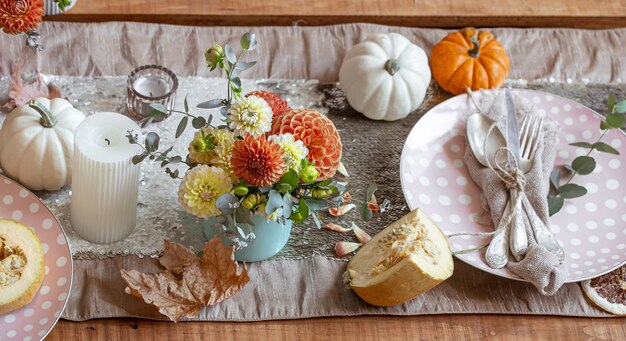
point(21, 265)
point(405, 259)
point(608, 291)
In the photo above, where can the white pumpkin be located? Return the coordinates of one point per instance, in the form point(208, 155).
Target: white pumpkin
point(385, 77)
point(37, 143)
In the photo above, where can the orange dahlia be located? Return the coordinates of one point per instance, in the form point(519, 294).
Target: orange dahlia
point(318, 134)
point(258, 161)
point(278, 105)
point(20, 16)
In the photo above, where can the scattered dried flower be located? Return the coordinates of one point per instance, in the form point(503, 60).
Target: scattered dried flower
point(361, 235)
point(336, 228)
point(346, 198)
point(341, 210)
point(344, 248)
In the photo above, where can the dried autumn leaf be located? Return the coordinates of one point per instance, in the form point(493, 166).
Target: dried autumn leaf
point(20, 94)
point(189, 282)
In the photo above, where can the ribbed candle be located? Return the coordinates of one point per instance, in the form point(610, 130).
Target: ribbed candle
point(105, 182)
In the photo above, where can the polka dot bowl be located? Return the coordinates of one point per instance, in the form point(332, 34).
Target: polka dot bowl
point(35, 320)
point(591, 229)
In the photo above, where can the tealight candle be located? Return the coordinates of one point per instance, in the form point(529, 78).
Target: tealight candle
point(147, 85)
point(105, 182)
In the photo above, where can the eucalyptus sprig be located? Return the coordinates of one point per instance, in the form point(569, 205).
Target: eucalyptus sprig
point(585, 164)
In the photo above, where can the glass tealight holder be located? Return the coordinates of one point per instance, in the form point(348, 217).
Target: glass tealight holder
point(147, 85)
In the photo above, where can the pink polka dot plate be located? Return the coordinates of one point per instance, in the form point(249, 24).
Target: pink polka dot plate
point(35, 320)
point(591, 229)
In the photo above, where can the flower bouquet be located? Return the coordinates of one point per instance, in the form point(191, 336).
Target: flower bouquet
point(263, 168)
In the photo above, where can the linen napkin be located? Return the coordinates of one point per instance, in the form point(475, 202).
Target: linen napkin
point(539, 266)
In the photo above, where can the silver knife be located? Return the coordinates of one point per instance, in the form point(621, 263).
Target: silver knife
point(518, 238)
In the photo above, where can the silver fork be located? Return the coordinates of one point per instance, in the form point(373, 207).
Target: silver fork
point(530, 133)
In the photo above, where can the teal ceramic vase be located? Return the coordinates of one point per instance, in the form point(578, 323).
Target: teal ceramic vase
point(271, 237)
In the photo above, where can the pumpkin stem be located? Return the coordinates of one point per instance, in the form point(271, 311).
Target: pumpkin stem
point(392, 66)
point(474, 52)
point(47, 120)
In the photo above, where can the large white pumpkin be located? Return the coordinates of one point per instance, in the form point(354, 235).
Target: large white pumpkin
point(385, 77)
point(37, 144)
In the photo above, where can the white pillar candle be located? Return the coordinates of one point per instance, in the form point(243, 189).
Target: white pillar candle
point(105, 182)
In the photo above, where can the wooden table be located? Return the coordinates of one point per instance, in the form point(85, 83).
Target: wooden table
point(425, 13)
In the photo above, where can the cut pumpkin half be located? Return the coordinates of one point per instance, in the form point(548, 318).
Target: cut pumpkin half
point(21, 265)
point(404, 260)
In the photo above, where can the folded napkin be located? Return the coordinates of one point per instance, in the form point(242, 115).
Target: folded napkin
point(539, 266)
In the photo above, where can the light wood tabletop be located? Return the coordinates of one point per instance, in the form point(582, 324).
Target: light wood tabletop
point(423, 13)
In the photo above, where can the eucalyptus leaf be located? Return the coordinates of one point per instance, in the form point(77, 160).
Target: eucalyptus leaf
point(182, 125)
point(582, 144)
point(186, 104)
point(226, 203)
point(230, 54)
point(611, 102)
point(274, 202)
point(366, 213)
point(245, 65)
point(164, 163)
point(555, 177)
point(198, 122)
point(236, 82)
point(152, 141)
point(370, 191)
point(156, 115)
point(224, 111)
point(214, 103)
point(159, 107)
point(303, 209)
point(287, 205)
point(615, 120)
point(316, 204)
point(605, 148)
point(244, 215)
point(265, 189)
point(571, 191)
point(584, 165)
point(139, 157)
point(620, 107)
point(317, 220)
point(246, 39)
point(555, 204)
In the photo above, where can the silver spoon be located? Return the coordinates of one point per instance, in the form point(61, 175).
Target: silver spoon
point(478, 125)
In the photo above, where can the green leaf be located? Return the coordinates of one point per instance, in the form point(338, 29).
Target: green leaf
point(226, 203)
point(244, 215)
point(139, 157)
point(284, 187)
point(555, 204)
point(603, 147)
point(323, 183)
point(584, 165)
point(366, 213)
point(230, 54)
point(620, 107)
point(186, 104)
point(290, 178)
point(603, 125)
point(246, 38)
point(182, 125)
point(555, 177)
point(245, 65)
point(274, 202)
point(214, 103)
point(159, 107)
point(571, 191)
point(316, 204)
point(611, 102)
point(615, 120)
point(287, 205)
point(316, 219)
point(303, 209)
point(582, 144)
point(198, 122)
point(370, 191)
point(152, 142)
point(236, 82)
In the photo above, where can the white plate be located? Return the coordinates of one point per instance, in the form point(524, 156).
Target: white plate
point(591, 229)
point(35, 320)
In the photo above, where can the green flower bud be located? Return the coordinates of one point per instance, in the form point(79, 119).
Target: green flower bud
point(320, 193)
point(251, 201)
point(309, 173)
point(213, 55)
point(240, 190)
point(199, 144)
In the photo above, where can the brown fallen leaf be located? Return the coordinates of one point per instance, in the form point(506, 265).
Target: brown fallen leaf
point(189, 282)
point(20, 94)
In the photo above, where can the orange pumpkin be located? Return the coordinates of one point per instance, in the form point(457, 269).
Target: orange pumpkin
point(469, 59)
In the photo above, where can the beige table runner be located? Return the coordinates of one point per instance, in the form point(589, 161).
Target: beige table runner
point(312, 287)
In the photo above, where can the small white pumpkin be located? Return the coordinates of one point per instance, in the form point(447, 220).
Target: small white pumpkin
point(385, 77)
point(37, 143)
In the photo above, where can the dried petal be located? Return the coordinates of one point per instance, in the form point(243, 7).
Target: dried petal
point(342, 169)
point(344, 248)
point(361, 235)
point(204, 281)
point(373, 204)
point(346, 198)
point(336, 228)
point(341, 210)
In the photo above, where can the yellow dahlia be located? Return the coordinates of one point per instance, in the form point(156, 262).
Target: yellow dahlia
point(258, 161)
point(199, 150)
point(250, 115)
point(293, 151)
point(200, 188)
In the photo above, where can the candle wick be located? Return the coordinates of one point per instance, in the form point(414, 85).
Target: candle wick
point(108, 142)
point(151, 95)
